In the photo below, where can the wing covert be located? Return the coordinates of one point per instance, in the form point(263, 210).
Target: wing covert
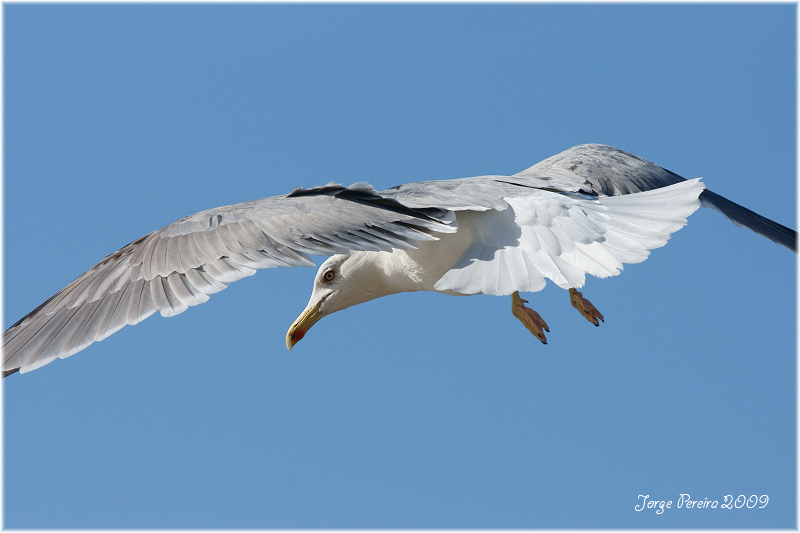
point(602, 170)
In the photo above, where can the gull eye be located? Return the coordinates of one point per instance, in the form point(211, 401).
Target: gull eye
point(329, 276)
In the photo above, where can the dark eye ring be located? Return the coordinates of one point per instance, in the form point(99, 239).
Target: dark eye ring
point(329, 276)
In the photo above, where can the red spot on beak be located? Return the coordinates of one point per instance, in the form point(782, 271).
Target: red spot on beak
point(298, 335)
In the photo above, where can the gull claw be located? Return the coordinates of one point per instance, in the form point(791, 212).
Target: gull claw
point(529, 318)
point(585, 307)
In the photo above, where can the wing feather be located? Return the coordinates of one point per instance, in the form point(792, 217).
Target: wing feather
point(159, 296)
point(565, 236)
point(141, 303)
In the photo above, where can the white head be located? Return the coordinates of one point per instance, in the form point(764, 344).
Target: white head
point(342, 281)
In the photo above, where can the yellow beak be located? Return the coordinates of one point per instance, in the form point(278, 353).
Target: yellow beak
point(308, 318)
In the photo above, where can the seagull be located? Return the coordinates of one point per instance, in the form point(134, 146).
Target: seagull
point(587, 210)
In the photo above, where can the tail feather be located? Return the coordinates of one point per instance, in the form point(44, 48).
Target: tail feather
point(741, 216)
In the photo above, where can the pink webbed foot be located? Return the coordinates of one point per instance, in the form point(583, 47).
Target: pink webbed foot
point(585, 307)
point(529, 318)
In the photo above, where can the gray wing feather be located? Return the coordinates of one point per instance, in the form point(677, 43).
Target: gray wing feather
point(480, 193)
point(182, 264)
point(600, 170)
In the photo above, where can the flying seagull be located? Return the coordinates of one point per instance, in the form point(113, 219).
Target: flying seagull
point(587, 210)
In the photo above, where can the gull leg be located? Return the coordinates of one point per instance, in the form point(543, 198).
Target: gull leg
point(585, 307)
point(529, 318)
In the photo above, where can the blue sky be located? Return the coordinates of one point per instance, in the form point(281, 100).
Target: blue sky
point(416, 410)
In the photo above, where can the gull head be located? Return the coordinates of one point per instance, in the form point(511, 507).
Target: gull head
point(342, 281)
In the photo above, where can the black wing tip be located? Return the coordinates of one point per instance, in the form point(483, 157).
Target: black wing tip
point(7, 373)
point(777, 233)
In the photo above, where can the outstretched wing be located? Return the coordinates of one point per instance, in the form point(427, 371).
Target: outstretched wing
point(608, 171)
point(180, 265)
